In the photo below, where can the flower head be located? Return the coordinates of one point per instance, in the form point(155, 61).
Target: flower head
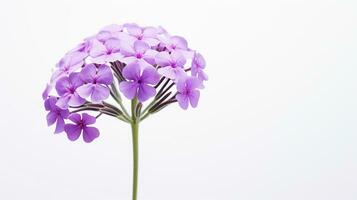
point(81, 125)
point(121, 62)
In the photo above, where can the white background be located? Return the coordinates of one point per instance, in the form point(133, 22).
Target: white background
point(276, 121)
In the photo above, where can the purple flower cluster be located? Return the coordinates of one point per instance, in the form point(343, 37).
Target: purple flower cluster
point(141, 63)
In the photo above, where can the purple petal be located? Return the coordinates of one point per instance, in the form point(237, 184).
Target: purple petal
point(62, 102)
point(129, 60)
point(134, 29)
point(150, 55)
point(76, 100)
point(62, 86)
point(129, 89)
point(179, 42)
point(75, 117)
point(100, 59)
point(145, 92)
point(51, 118)
point(75, 80)
point(86, 90)
point(181, 86)
point(102, 36)
point(182, 100)
point(132, 71)
point(179, 73)
point(88, 73)
point(88, 119)
point(150, 76)
point(64, 113)
point(127, 48)
point(112, 57)
point(100, 93)
point(188, 54)
point(202, 75)
point(151, 41)
point(71, 60)
point(59, 125)
point(113, 28)
point(112, 44)
point(163, 59)
point(179, 59)
point(194, 97)
point(192, 83)
point(198, 61)
point(168, 72)
point(50, 103)
point(97, 49)
point(104, 75)
point(125, 37)
point(90, 133)
point(150, 31)
point(141, 47)
point(47, 91)
point(73, 131)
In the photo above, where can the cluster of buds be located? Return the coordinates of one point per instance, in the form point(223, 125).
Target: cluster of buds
point(145, 64)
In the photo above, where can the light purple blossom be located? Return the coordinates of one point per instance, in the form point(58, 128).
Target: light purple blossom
point(139, 82)
point(171, 64)
point(82, 49)
point(110, 31)
point(107, 52)
point(68, 64)
point(187, 92)
point(197, 66)
point(173, 43)
point(139, 51)
point(56, 114)
point(66, 88)
point(147, 34)
point(81, 126)
point(96, 81)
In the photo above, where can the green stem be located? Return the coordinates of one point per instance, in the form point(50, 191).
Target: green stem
point(135, 132)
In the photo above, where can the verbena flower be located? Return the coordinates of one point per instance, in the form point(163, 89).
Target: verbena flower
point(145, 34)
point(171, 64)
point(138, 51)
point(188, 92)
point(81, 126)
point(146, 65)
point(197, 67)
point(66, 88)
point(141, 82)
point(96, 79)
point(108, 51)
point(55, 114)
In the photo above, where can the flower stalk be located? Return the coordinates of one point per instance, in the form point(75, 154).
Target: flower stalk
point(135, 137)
